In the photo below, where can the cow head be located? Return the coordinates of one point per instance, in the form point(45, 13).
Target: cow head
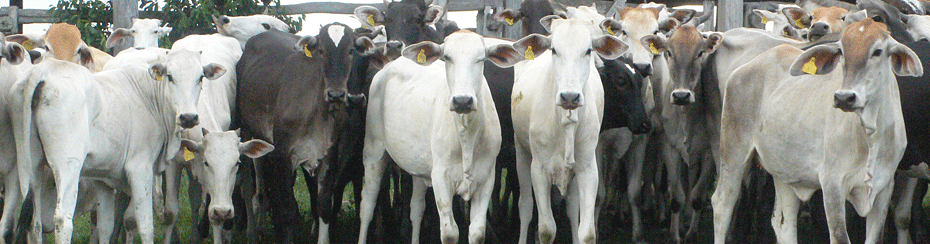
point(181, 78)
point(633, 25)
point(918, 26)
point(407, 21)
point(244, 27)
point(336, 46)
point(62, 41)
point(571, 45)
point(778, 23)
point(215, 164)
point(687, 51)
point(826, 20)
point(144, 32)
point(620, 79)
point(869, 53)
point(530, 12)
point(880, 11)
point(12, 52)
point(464, 54)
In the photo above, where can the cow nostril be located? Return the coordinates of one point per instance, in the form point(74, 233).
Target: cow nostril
point(225, 20)
point(681, 95)
point(570, 97)
point(847, 98)
point(394, 44)
point(335, 95)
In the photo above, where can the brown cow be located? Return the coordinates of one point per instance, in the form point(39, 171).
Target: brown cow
point(63, 42)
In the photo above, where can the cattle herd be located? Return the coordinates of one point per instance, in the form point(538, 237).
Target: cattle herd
point(643, 110)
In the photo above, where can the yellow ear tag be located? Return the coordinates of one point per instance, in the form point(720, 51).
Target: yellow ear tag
point(509, 21)
point(308, 52)
point(610, 30)
point(810, 67)
point(798, 23)
point(421, 58)
point(29, 45)
point(158, 77)
point(371, 20)
point(764, 20)
point(652, 48)
point(188, 155)
point(529, 53)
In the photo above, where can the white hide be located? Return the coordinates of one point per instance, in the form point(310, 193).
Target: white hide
point(144, 33)
point(244, 27)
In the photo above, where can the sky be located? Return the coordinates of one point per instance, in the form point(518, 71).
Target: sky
point(465, 19)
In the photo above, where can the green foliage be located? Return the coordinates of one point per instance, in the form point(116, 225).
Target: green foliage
point(94, 17)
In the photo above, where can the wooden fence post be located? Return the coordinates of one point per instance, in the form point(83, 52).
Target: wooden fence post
point(123, 13)
point(729, 14)
point(18, 26)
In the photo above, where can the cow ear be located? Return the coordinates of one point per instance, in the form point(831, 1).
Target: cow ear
point(797, 17)
point(213, 71)
point(433, 15)
point(668, 25)
point(369, 16)
point(504, 55)
point(683, 15)
point(85, 58)
point(532, 45)
point(609, 47)
point(118, 36)
point(424, 53)
point(255, 148)
point(765, 16)
point(508, 16)
point(655, 44)
point(612, 27)
point(546, 22)
point(364, 45)
point(14, 53)
point(307, 45)
point(165, 30)
point(157, 71)
point(855, 17)
point(27, 41)
point(713, 41)
point(817, 60)
point(905, 62)
point(790, 33)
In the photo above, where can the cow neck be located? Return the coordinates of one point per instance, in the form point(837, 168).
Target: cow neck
point(883, 124)
point(153, 95)
point(470, 127)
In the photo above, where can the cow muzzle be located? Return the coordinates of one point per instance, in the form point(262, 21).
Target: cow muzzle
point(188, 120)
point(818, 30)
point(221, 213)
point(463, 104)
point(570, 100)
point(682, 97)
point(845, 100)
point(357, 101)
point(645, 68)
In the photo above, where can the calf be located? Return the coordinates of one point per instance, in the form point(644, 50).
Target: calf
point(63, 42)
point(93, 127)
point(453, 151)
point(144, 33)
point(850, 123)
point(555, 144)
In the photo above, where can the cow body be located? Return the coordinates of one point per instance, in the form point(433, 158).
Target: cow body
point(850, 152)
point(15, 64)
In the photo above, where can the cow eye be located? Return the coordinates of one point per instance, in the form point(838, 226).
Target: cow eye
point(878, 18)
point(655, 32)
point(623, 32)
point(206, 164)
point(586, 53)
point(876, 53)
point(701, 53)
point(267, 27)
point(553, 51)
point(668, 53)
point(170, 78)
point(446, 58)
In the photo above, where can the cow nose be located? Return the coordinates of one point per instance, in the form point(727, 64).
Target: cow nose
point(225, 20)
point(335, 95)
point(357, 100)
point(188, 120)
point(844, 99)
point(818, 30)
point(681, 97)
point(645, 69)
point(463, 104)
point(394, 45)
point(221, 213)
point(570, 100)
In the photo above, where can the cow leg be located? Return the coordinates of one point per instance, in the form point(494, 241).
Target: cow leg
point(67, 170)
point(676, 189)
point(106, 212)
point(904, 195)
point(572, 208)
point(696, 197)
point(12, 199)
point(635, 184)
point(834, 203)
point(875, 219)
point(172, 185)
point(479, 209)
point(374, 161)
point(417, 206)
point(785, 216)
point(542, 186)
point(443, 191)
point(734, 164)
point(526, 191)
point(586, 179)
point(140, 184)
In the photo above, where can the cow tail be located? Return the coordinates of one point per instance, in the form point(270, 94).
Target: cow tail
point(23, 137)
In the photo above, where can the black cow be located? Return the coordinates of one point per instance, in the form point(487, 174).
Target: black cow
point(292, 91)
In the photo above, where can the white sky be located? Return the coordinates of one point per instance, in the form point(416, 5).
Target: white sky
point(311, 26)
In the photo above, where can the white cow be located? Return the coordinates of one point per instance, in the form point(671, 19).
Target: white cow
point(16, 62)
point(244, 27)
point(557, 110)
point(112, 128)
point(451, 151)
point(144, 33)
point(840, 131)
